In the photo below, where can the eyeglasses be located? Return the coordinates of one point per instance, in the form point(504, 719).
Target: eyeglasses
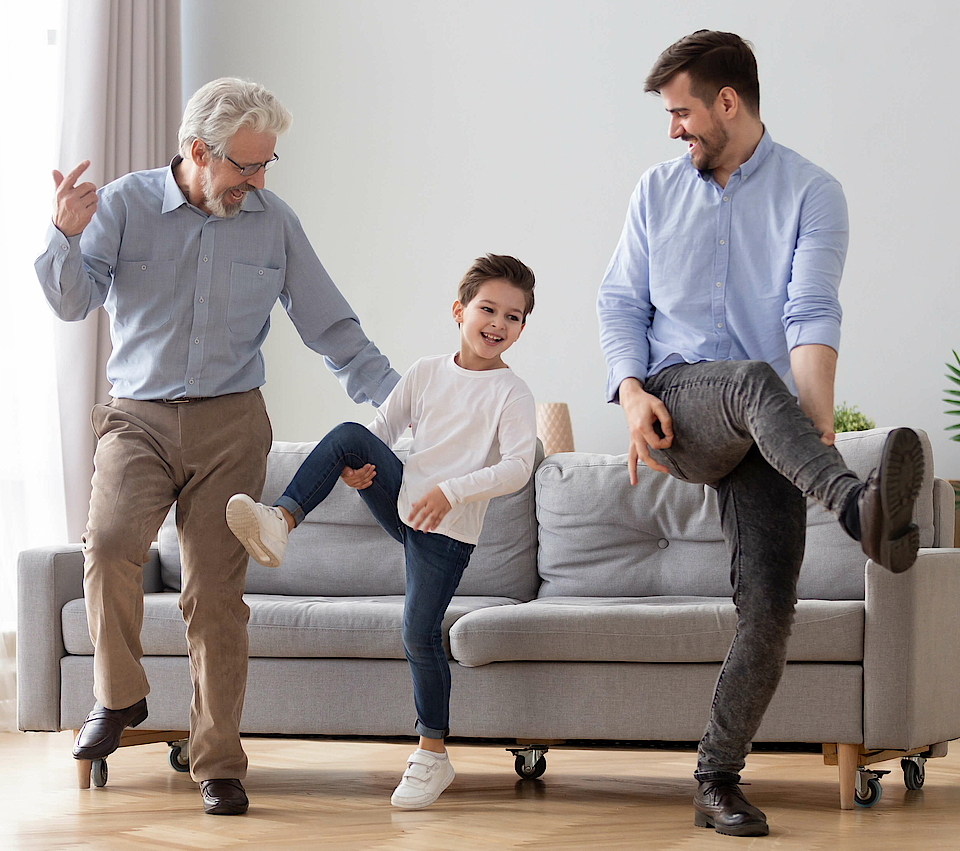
point(250, 170)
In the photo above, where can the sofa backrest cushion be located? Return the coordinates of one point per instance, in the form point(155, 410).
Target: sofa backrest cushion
point(600, 537)
point(339, 550)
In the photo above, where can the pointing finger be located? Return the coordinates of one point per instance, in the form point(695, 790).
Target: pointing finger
point(72, 176)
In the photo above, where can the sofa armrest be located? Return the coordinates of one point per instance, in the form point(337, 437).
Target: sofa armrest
point(911, 644)
point(47, 579)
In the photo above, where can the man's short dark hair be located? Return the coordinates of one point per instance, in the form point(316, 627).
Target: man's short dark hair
point(498, 267)
point(714, 60)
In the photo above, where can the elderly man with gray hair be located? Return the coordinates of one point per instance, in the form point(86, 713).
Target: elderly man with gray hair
point(188, 261)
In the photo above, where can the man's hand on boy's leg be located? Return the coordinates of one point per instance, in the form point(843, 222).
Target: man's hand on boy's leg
point(359, 479)
point(428, 511)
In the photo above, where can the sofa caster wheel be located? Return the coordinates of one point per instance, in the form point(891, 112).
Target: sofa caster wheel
point(530, 772)
point(868, 790)
point(913, 773)
point(98, 772)
point(530, 763)
point(180, 757)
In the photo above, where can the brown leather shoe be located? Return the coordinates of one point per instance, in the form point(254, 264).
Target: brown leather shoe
point(100, 734)
point(887, 534)
point(720, 804)
point(223, 797)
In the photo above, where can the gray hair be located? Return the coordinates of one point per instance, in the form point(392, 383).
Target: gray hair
point(222, 107)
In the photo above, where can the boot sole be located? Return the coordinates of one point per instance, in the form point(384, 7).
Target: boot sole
point(901, 469)
point(749, 829)
point(244, 524)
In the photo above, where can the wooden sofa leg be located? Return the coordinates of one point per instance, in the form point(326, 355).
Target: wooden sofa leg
point(84, 766)
point(848, 756)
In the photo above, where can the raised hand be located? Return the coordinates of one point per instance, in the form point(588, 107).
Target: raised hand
point(73, 206)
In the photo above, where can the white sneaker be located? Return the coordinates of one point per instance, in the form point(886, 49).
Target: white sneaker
point(261, 530)
point(427, 775)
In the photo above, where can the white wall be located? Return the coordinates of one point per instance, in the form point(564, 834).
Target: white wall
point(428, 132)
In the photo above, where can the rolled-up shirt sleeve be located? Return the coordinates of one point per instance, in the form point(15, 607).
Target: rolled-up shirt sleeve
point(623, 303)
point(812, 313)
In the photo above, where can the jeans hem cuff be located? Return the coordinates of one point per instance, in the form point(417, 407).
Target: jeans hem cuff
point(290, 505)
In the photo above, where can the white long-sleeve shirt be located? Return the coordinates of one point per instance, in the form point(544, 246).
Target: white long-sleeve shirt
point(474, 435)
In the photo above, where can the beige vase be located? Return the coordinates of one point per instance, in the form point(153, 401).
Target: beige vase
point(553, 427)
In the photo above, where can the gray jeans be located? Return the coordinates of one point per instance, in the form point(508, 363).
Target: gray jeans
point(740, 430)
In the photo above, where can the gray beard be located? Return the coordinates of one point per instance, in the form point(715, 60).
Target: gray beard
point(216, 204)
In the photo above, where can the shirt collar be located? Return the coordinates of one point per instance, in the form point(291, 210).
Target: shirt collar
point(173, 197)
point(759, 155)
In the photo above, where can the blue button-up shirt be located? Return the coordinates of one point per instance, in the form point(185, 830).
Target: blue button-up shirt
point(708, 273)
point(189, 295)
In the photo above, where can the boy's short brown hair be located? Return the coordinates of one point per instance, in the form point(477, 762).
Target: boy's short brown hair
point(498, 267)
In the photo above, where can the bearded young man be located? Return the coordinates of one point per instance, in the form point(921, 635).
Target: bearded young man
point(188, 261)
point(720, 324)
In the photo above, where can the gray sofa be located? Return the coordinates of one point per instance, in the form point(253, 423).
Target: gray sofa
point(590, 611)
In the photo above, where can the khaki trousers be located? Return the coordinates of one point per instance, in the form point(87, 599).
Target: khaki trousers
point(150, 454)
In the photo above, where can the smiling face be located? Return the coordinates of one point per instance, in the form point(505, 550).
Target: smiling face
point(489, 323)
point(695, 123)
point(222, 185)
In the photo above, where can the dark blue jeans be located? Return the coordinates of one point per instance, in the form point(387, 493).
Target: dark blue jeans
point(739, 429)
point(434, 563)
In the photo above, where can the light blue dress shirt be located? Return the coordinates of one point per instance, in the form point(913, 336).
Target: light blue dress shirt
point(709, 273)
point(189, 295)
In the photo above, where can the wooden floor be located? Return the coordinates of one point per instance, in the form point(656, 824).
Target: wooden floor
point(335, 796)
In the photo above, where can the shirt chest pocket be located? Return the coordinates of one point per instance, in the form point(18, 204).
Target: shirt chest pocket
point(253, 292)
point(143, 292)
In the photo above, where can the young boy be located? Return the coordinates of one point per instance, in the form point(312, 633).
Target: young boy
point(474, 438)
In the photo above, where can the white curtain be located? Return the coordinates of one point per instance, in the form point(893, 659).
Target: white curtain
point(120, 109)
point(114, 99)
point(31, 480)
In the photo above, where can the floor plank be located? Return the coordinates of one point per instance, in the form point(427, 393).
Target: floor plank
point(336, 795)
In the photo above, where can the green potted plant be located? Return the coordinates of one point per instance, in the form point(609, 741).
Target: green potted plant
point(953, 396)
point(850, 419)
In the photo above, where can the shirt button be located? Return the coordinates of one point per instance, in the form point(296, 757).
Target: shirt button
point(261, 271)
point(65, 247)
point(201, 299)
point(191, 381)
point(723, 242)
point(719, 325)
point(196, 342)
point(204, 259)
point(719, 284)
point(725, 198)
point(144, 267)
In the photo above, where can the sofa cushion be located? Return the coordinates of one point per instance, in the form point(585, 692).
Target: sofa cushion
point(662, 537)
point(654, 629)
point(340, 551)
point(280, 626)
